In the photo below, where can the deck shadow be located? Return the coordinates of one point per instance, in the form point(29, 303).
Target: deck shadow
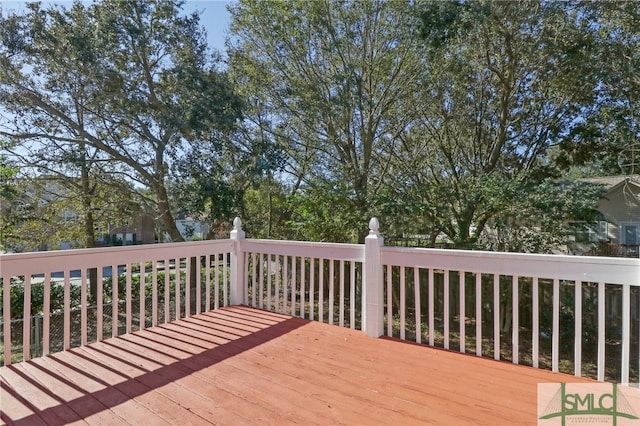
point(105, 399)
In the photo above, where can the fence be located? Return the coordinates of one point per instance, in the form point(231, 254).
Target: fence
point(572, 314)
point(175, 280)
point(578, 315)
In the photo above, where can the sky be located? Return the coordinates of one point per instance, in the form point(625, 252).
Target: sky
point(213, 16)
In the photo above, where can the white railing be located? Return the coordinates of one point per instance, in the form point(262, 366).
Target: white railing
point(601, 295)
point(121, 289)
point(565, 313)
point(318, 281)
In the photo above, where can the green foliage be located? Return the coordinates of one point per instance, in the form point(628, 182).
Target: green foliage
point(7, 174)
point(57, 291)
point(538, 222)
point(506, 82)
point(207, 185)
point(9, 207)
point(319, 213)
point(48, 211)
point(107, 285)
point(599, 141)
point(330, 84)
point(521, 215)
point(41, 227)
point(116, 88)
point(452, 120)
point(37, 297)
point(267, 207)
point(443, 21)
point(450, 128)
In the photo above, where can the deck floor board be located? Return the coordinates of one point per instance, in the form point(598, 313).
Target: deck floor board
point(240, 365)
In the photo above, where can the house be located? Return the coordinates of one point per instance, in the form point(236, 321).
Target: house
point(52, 218)
point(618, 224)
point(139, 230)
point(192, 229)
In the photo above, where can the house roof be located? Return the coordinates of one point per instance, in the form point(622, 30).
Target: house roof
point(612, 182)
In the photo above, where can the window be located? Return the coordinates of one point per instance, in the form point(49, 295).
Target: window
point(630, 234)
point(630, 238)
point(129, 238)
point(591, 232)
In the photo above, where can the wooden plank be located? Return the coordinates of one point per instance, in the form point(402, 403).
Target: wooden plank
point(446, 314)
point(321, 290)
point(67, 310)
point(626, 334)
point(114, 300)
point(26, 323)
point(462, 316)
point(555, 342)
point(577, 345)
point(478, 297)
point(535, 338)
point(601, 330)
point(46, 315)
point(241, 365)
point(431, 308)
point(416, 289)
point(403, 304)
point(515, 320)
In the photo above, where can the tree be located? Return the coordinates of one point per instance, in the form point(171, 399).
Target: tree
point(203, 187)
point(46, 212)
point(82, 181)
point(10, 210)
point(131, 80)
point(601, 145)
point(507, 82)
point(335, 85)
point(266, 205)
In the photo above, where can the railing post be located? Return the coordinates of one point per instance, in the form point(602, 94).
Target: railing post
point(373, 309)
point(237, 264)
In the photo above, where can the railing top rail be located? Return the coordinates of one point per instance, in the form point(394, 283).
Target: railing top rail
point(585, 268)
point(348, 252)
point(612, 270)
point(15, 264)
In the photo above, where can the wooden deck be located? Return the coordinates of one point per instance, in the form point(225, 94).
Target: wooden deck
point(240, 365)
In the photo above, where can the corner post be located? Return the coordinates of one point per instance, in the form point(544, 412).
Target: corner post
point(373, 312)
point(237, 264)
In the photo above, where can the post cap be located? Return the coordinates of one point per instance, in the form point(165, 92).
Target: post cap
point(374, 226)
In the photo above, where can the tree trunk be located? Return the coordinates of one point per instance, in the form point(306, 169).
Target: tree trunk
point(165, 214)
point(89, 222)
point(169, 224)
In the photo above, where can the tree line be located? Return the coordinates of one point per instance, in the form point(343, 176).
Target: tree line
point(469, 120)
